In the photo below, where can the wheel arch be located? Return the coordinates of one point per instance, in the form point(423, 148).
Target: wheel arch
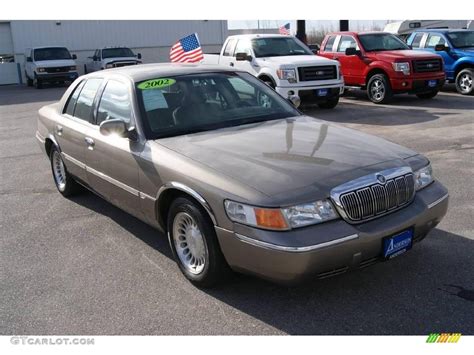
point(172, 190)
point(49, 142)
point(462, 66)
point(263, 75)
point(374, 71)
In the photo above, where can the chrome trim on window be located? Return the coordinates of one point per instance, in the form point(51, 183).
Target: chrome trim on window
point(271, 246)
point(438, 201)
point(188, 190)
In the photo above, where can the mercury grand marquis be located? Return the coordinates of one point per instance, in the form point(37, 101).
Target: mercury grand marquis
point(235, 175)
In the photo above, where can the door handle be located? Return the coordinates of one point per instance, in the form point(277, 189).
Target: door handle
point(231, 64)
point(59, 130)
point(90, 143)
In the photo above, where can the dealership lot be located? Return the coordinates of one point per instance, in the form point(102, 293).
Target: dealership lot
point(82, 266)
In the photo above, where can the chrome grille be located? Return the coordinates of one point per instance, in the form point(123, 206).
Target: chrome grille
point(427, 65)
point(325, 72)
point(377, 199)
point(57, 69)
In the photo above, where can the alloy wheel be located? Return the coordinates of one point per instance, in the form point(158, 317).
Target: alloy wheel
point(59, 171)
point(377, 90)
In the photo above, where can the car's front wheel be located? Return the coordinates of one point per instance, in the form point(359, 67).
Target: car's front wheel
point(64, 182)
point(194, 243)
point(379, 89)
point(464, 84)
point(37, 83)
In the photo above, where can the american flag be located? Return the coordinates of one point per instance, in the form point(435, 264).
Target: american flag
point(284, 30)
point(187, 50)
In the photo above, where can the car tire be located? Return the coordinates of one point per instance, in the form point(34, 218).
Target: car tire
point(464, 82)
point(379, 90)
point(329, 104)
point(64, 181)
point(427, 95)
point(29, 82)
point(37, 83)
point(85, 69)
point(194, 244)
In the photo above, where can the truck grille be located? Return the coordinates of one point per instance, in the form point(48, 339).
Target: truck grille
point(57, 70)
point(123, 64)
point(427, 65)
point(377, 199)
point(326, 72)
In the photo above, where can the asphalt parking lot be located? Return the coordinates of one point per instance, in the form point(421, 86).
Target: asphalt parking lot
point(82, 266)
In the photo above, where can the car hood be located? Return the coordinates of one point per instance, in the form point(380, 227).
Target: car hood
point(392, 56)
point(465, 52)
point(296, 60)
point(121, 59)
point(301, 153)
point(55, 63)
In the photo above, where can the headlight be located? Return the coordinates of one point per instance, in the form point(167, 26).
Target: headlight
point(403, 67)
point(310, 213)
point(281, 219)
point(423, 177)
point(109, 65)
point(287, 74)
point(72, 68)
point(40, 70)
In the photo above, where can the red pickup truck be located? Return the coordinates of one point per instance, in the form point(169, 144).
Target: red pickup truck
point(384, 65)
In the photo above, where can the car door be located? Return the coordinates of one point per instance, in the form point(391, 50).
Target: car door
point(70, 130)
point(250, 66)
point(112, 161)
point(352, 65)
point(227, 58)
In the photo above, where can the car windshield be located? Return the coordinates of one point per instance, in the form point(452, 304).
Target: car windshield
point(463, 39)
point(375, 42)
point(117, 52)
point(53, 53)
point(179, 105)
point(279, 46)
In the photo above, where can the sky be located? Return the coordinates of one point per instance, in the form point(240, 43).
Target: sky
point(328, 25)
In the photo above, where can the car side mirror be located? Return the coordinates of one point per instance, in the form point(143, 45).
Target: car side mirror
point(114, 126)
point(441, 48)
point(29, 59)
point(139, 56)
point(294, 100)
point(243, 56)
point(352, 51)
point(74, 56)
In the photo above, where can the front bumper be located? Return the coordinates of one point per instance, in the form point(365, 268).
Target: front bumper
point(329, 248)
point(52, 77)
point(417, 84)
point(309, 94)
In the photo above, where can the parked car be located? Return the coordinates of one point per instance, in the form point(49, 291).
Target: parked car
point(403, 29)
point(384, 65)
point(457, 49)
point(49, 65)
point(111, 57)
point(286, 64)
point(236, 177)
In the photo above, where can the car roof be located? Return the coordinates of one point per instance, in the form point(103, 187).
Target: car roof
point(258, 35)
point(443, 30)
point(355, 33)
point(41, 47)
point(142, 72)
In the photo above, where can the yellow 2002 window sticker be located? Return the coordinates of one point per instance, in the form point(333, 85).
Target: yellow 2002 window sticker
point(156, 83)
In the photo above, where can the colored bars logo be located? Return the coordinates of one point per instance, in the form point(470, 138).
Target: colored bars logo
point(443, 338)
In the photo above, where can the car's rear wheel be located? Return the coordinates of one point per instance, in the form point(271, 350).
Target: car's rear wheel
point(379, 89)
point(64, 182)
point(428, 95)
point(194, 244)
point(331, 103)
point(464, 84)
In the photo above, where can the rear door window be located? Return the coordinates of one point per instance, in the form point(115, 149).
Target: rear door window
point(417, 40)
point(85, 100)
point(329, 44)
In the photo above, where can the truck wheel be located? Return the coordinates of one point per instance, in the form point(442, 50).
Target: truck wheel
point(85, 69)
point(379, 90)
point(194, 244)
point(331, 103)
point(64, 182)
point(37, 83)
point(464, 84)
point(29, 82)
point(428, 95)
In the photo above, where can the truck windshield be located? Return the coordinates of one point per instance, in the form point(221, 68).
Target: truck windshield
point(279, 46)
point(117, 52)
point(53, 53)
point(184, 104)
point(375, 42)
point(464, 39)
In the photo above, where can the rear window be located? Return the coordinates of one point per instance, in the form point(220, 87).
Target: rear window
point(86, 98)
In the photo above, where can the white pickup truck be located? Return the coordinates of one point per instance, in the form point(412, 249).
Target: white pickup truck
point(284, 63)
point(111, 57)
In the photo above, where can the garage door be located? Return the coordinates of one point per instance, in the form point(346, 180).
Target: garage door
point(8, 67)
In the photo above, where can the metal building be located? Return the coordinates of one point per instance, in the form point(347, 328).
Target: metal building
point(152, 39)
